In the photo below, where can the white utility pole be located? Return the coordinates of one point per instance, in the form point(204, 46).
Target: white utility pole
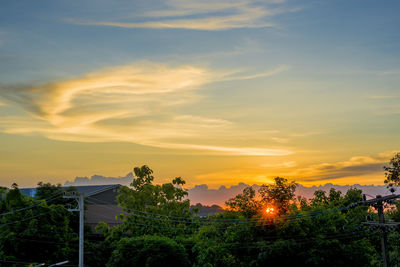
point(80, 199)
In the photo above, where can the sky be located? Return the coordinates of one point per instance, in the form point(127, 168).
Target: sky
point(217, 92)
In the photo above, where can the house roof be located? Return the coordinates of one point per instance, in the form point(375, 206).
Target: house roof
point(87, 190)
point(91, 190)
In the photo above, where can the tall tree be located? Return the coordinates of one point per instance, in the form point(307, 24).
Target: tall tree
point(392, 172)
point(245, 203)
point(151, 208)
point(280, 194)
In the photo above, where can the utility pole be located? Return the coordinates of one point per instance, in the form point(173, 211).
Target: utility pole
point(381, 215)
point(377, 203)
point(80, 199)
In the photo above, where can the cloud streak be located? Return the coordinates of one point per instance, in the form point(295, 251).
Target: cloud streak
point(142, 103)
point(354, 167)
point(236, 76)
point(205, 15)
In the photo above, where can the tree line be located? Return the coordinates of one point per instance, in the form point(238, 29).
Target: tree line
point(159, 228)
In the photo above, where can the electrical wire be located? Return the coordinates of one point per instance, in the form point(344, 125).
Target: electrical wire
point(302, 240)
point(28, 218)
point(32, 206)
point(172, 220)
point(163, 226)
point(272, 237)
point(26, 263)
point(32, 217)
point(208, 221)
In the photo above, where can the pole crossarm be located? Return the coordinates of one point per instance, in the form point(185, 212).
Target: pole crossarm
point(372, 202)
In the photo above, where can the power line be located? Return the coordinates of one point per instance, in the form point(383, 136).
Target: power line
point(39, 240)
point(298, 239)
point(172, 220)
point(16, 262)
point(166, 226)
point(212, 222)
point(32, 217)
point(208, 221)
point(24, 263)
point(28, 218)
point(32, 206)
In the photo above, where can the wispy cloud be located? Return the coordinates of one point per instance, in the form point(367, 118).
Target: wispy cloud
point(356, 170)
point(354, 167)
point(240, 150)
point(202, 15)
point(140, 103)
point(237, 76)
point(389, 72)
point(281, 165)
point(379, 97)
point(231, 176)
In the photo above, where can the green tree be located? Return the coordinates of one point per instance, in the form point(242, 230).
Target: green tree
point(316, 233)
point(32, 230)
point(146, 196)
point(245, 203)
point(320, 198)
point(280, 194)
point(151, 208)
point(392, 172)
point(149, 251)
point(220, 244)
point(48, 191)
point(321, 234)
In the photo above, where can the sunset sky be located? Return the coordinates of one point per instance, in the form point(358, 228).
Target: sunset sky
point(217, 92)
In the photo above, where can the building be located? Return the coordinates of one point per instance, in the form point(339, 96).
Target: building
point(101, 202)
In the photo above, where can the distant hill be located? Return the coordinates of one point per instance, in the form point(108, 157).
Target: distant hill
point(207, 210)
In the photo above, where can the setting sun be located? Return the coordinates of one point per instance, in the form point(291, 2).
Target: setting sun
point(269, 211)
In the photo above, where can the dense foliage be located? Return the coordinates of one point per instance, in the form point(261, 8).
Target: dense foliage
point(392, 172)
point(153, 250)
point(315, 232)
point(42, 233)
point(159, 228)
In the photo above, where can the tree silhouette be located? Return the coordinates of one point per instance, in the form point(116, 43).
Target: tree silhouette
point(392, 172)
